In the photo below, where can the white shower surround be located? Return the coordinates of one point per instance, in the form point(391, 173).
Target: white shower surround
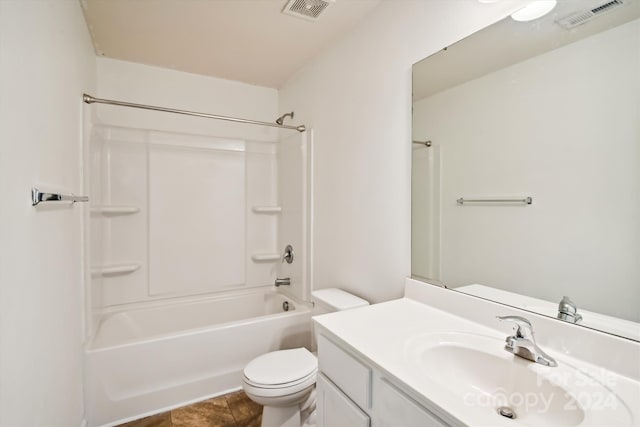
point(187, 215)
point(151, 359)
point(188, 219)
point(150, 351)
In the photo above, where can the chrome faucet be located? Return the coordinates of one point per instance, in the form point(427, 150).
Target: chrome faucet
point(568, 311)
point(286, 281)
point(523, 343)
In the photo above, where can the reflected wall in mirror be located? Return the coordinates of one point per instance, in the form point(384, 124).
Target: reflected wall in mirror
point(544, 109)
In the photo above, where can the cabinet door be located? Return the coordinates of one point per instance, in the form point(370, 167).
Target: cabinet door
point(395, 409)
point(335, 409)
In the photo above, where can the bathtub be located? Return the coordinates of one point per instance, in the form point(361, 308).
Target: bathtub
point(147, 360)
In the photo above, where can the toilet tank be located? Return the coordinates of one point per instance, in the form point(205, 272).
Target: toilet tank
point(330, 300)
point(334, 299)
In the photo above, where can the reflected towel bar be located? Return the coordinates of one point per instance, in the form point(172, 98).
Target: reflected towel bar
point(425, 143)
point(526, 201)
point(38, 196)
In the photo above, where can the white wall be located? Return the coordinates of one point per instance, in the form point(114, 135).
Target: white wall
point(560, 128)
point(143, 84)
point(46, 63)
point(357, 98)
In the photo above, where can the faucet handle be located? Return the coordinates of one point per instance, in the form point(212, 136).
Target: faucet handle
point(288, 254)
point(568, 311)
point(567, 306)
point(523, 326)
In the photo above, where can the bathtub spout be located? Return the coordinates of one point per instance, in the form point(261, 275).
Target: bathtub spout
point(286, 281)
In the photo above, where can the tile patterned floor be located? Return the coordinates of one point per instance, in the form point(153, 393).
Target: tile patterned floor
point(230, 410)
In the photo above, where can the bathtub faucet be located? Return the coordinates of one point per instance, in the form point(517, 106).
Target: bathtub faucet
point(286, 281)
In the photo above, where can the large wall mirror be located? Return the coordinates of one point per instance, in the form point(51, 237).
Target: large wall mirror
point(526, 165)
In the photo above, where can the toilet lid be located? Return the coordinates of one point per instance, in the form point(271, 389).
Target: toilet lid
point(281, 367)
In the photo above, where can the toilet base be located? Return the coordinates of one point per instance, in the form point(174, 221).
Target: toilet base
point(280, 412)
point(311, 420)
point(272, 416)
point(283, 416)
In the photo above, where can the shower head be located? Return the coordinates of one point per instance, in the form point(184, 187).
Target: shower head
point(280, 120)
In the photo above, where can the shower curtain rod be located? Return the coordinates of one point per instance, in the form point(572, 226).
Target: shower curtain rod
point(90, 100)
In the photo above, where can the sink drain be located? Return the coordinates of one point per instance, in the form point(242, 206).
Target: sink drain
point(507, 412)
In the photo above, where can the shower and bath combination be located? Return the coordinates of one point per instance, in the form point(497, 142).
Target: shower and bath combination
point(216, 299)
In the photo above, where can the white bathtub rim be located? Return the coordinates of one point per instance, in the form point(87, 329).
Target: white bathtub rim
point(300, 310)
point(171, 407)
point(188, 299)
point(196, 331)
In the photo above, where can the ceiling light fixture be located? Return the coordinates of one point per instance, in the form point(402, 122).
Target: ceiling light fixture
point(534, 10)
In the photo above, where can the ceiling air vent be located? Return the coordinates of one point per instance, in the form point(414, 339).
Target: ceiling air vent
point(587, 15)
point(306, 9)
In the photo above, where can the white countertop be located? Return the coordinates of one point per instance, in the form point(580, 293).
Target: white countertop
point(382, 334)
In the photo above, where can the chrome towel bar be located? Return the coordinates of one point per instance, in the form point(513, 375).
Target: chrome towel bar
point(526, 201)
point(425, 143)
point(38, 196)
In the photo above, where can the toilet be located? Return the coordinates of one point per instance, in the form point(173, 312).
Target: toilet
point(284, 381)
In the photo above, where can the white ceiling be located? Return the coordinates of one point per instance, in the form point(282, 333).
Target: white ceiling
point(245, 40)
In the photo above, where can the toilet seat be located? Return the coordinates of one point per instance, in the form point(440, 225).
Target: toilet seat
point(280, 373)
point(280, 390)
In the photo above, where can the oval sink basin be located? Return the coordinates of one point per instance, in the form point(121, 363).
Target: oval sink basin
point(495, 387)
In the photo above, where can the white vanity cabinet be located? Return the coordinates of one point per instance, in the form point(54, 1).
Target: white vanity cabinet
point(350, 393)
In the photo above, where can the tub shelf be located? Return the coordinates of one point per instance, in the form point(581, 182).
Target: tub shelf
point(115, 210)
point(266, 257)
point(267, 209)
point(114, 269)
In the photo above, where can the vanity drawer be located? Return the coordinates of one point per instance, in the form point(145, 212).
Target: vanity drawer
point(351, 376)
